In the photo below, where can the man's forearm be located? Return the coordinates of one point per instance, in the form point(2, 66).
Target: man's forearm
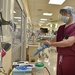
point(64, 43)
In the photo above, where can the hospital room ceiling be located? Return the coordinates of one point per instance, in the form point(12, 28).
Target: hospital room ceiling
point(38, 7)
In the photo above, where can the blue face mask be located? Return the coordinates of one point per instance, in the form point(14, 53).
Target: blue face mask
point(65, 19)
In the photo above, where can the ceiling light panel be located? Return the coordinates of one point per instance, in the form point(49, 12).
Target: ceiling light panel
point(19, 20)
point(57, 2)
point(47, 14)
point(43, 19)
point(17, 17)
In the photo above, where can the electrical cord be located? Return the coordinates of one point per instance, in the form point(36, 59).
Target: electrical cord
point(47, 70)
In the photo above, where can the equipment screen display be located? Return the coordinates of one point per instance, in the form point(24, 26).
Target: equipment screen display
point(44, 30)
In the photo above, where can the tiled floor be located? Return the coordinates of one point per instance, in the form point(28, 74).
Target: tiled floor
point(51, 62)
point(51, 65)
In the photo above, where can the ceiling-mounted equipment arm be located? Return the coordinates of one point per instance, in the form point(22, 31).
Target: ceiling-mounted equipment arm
point(2, 21)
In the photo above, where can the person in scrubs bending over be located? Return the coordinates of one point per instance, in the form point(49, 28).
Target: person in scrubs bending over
point(65, 43)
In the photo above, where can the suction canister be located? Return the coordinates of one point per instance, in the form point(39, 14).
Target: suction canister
point(39, 68)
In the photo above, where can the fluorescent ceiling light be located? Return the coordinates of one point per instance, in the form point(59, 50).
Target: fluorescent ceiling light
point(47, 14)
point(19, 20)
point(17, 17)
point(43, 19)
point(58, 2)
point(14, 11)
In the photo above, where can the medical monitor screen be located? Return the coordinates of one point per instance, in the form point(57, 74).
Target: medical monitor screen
point(44, 30)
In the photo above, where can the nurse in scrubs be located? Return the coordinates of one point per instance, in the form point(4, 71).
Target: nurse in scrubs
point(65, 43)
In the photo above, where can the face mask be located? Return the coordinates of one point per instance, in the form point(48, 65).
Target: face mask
point(65, 19)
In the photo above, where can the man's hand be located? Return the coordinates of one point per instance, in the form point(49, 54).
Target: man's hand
point(47, 42)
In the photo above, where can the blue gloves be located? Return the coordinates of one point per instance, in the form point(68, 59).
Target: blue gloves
point(40, 49)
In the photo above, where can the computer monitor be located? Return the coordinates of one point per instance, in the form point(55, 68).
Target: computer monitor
point(44, 30)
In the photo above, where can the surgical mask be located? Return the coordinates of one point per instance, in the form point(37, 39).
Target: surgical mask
point(65, 19)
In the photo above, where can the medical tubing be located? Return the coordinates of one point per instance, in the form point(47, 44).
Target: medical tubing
point(47, 70)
